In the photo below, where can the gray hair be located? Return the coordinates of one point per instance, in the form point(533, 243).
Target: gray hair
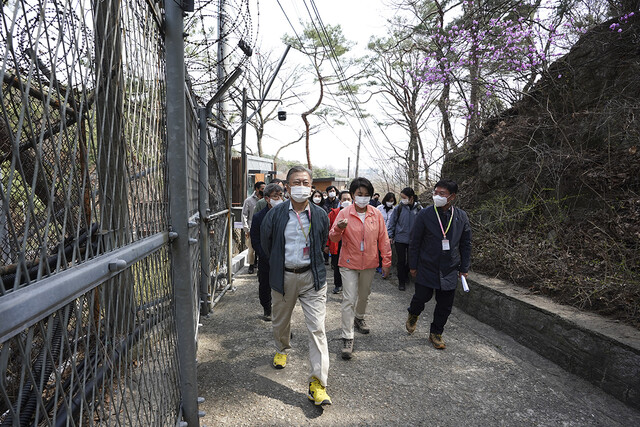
point(299, 169)
point(272, 188)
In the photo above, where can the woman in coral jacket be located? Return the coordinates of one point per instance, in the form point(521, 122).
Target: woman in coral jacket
point(364, 234)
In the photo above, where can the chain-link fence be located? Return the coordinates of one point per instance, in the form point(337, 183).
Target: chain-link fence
point(89, 223)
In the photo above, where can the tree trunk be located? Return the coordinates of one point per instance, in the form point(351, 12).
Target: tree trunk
point(306, 122)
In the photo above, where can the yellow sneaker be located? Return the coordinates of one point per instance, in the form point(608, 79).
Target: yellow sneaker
point(279, 360)
point(318, 393)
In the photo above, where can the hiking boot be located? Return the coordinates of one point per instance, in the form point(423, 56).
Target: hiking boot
point(347, 348)
point(401, 287)
point(437, 341)
point(337, 289)
point(251, 269)
point(412, 323)
point(279, 360)
point(267, 315)
point(318, 393)
point(361, 326)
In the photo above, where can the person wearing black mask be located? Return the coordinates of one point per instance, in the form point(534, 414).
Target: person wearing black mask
point(399, 228)
point(375, 200)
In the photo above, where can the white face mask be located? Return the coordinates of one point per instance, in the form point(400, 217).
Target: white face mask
point(439, 201)
point(317, 199)
point(345, 204)
point(389, 204)
point(299, 193)
point(362, 201)
point(332, 194)
point(404, 201)
point(275, 203)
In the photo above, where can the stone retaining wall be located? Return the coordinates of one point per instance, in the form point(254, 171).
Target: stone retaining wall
point(602, 351)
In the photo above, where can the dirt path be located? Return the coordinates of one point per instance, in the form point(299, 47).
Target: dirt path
point(482, 378)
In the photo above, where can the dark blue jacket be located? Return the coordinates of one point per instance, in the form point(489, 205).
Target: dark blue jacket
point(401, 222)
point(254, 233)
point(437, 268)
point(272, 242)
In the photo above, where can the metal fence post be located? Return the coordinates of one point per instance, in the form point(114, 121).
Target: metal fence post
point(228, 140)
point(178, 211)
point(203, 199)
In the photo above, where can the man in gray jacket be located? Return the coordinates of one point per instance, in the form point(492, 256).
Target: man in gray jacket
point(293, 235)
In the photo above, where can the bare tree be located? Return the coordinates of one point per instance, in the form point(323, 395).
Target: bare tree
point(320, 45)
point(287, 87)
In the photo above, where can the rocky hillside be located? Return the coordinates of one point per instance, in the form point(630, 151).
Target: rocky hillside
point(553, 183)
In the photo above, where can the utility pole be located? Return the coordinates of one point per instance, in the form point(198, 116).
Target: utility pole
point(358, 153)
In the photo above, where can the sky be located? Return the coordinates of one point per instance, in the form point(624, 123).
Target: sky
point(359, 19)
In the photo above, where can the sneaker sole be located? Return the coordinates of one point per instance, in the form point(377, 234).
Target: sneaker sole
point(323, 403)
point(279, 366)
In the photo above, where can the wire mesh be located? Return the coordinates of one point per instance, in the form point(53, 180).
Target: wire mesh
point(82, 174)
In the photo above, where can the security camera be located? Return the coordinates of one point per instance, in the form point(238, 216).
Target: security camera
point(282, 115)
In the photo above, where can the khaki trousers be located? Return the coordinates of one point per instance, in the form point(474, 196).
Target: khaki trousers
point(356, 287)
point(251, 255)
point(314, 307)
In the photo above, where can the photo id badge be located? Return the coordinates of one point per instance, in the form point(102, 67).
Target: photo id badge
point(305, 252)
point(445, 245)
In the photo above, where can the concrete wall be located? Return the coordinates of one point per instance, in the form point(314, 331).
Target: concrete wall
point(603, 351)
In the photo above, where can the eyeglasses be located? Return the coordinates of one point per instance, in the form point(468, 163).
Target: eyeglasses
point(442, 193)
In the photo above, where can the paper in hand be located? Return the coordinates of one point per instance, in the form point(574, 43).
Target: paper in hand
point(465, 287)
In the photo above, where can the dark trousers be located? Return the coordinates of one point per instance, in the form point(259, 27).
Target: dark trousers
point(337, 277)
point(402, 251)
point(444, 304)
point(264, 288)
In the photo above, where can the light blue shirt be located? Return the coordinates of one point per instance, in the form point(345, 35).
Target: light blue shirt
point(294, 240)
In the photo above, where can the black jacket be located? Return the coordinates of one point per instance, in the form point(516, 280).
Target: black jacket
point(438, 268)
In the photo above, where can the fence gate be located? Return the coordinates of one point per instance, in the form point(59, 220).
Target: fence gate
point(100, 244)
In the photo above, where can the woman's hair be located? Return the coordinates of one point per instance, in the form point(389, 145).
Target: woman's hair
point(408, 191)
point(388, 197)
point(342, 193)
point(360, 182)
point(313, 193)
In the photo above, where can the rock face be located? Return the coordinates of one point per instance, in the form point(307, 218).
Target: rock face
point(559, 173)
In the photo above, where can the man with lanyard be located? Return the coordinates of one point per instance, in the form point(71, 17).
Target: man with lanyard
point(439, 253)
point(293, 235)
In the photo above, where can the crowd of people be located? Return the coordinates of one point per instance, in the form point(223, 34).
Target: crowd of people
point(295, 231)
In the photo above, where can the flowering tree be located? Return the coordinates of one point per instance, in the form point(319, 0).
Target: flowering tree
point(482, 55)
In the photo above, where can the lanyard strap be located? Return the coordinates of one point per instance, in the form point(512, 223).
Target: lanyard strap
point(306, 235)
point(444, 232)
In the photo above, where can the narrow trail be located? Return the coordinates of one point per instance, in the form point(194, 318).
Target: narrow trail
point(483, 377)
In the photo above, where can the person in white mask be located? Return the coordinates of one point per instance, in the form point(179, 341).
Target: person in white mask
point(331, 202)
point(273, 197)
point(293, 236)
point(399, 226)
point(363, 233)
point(439, 253)
point(334, 247)
point(316, 199)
